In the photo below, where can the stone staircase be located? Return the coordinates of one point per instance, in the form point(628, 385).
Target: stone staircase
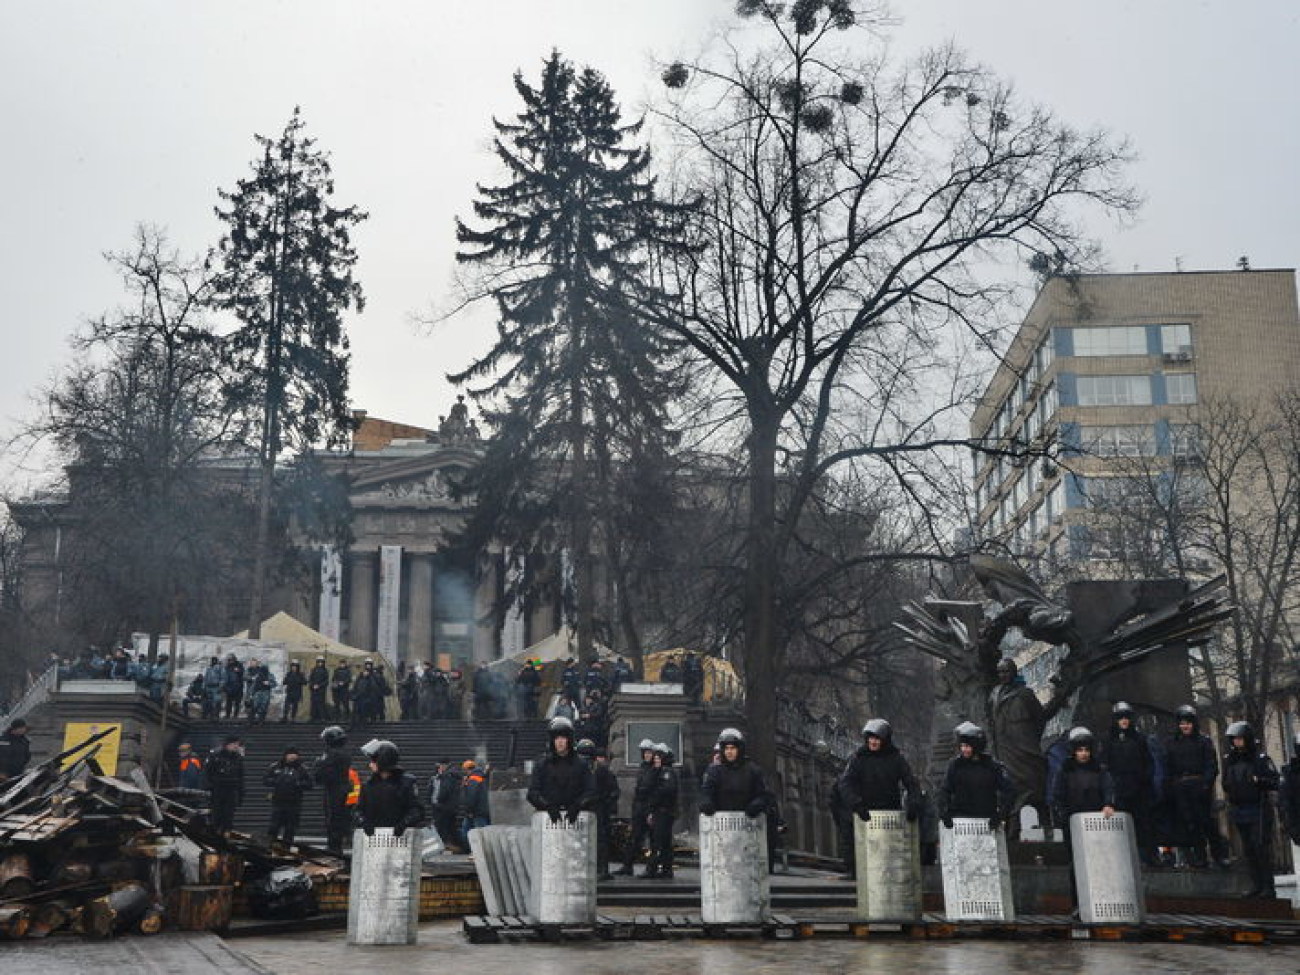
point(421, 743)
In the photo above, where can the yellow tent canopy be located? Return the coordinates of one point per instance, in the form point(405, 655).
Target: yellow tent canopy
point(720, 678)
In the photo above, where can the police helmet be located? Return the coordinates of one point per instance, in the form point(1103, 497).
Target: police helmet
point(1081, 737)
point(560, 727)
point(878, 728)
point(1122, 709)
point(586, 747)
point(382, 752)
point(666, 753)
point(969, 733)
point(333, 735)
point(1186, 713)
point(646, 745)
point(1242, 729)
point(731, 736)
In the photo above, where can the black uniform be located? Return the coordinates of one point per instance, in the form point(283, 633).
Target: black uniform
point(15, 753)
point(640, 806)
point(318, 682)
point(878, 780)
point(734, 787)
point(1249, 776)
point(607, 792)
point(1080, 787)
point(331, 774)
point(389, 799)
point(444, 800)
point(978, 787)
point(1127, 756)
point(225, 775)
point(341, 691)
point(1289, 798)
point(234, 688)
point(294, 681)
point(562, 784)
point(1191, 769)
point(662, 804)
point(288, 781)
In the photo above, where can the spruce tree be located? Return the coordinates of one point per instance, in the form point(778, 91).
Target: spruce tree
point(577, 381)
point(286, 264)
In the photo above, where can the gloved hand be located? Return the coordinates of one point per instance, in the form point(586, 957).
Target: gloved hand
point(864, 814)
point(399, 829)
point(554, 813)
point(755, 808)
point(572, 815)
point(947, 822)
point(368, 830)
point(995, 823)
point(707, 809)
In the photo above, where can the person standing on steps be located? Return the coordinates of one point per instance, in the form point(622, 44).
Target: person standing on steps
point(333, 773)
point(640, 800)
point(662, 806)
point(288, 780)
point(318, 684)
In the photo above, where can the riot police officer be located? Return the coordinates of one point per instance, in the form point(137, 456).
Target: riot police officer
point(562, 783)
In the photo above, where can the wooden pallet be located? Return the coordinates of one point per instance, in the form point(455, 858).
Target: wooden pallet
point(487, 929)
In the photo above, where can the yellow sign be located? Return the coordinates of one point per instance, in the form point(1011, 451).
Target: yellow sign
point(75, 732)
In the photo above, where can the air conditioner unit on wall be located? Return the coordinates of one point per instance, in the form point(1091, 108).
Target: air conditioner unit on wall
point(1182, 355)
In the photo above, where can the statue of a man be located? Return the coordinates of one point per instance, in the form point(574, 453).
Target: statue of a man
point(1017, 719)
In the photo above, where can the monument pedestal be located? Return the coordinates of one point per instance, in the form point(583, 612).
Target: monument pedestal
point(384, 891)
point(976, 872)
point(564, 870)
point(734, 883)
point(1107, 877)
point(889, 867)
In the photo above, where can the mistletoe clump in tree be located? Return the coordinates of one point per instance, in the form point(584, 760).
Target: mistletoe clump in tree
point(286, 264)
point(576, 385)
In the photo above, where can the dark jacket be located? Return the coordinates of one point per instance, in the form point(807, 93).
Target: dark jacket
point(607, 790)
point(444, 791)
point(1289, 798)
point(641, 791)
point(225, 773)
point(293, 684)
point(331, 773)
point(287, 783)
point(562, 782)
point(318, 679)
point(472, 797)
point(1127, 756)
point(1248, 778)
point(877, 780)
point(734, 787)
point(15, 753)
point(342, 678)
point(1187, 755)
point(976, 788)
point(1082, 789)
point(189, 773)
point(235, 679)
point(663, 793)
point(389, 802)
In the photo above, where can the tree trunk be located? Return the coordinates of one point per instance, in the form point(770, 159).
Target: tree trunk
point(580, 531)
point(761, 651)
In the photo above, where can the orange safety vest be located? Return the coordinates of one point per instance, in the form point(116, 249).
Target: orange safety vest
point(354, 793)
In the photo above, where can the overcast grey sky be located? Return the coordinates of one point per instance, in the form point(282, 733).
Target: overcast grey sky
point(117, 113)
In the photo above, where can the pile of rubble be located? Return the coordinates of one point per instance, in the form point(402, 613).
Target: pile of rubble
point(92, 854)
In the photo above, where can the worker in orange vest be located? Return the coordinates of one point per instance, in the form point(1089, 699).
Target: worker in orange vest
point(189, 769)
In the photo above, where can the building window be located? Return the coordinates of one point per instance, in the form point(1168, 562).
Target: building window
point(1185, 440)
point(1176, 340)
point(1180, 388)
point(1115, 390)
point(1056, 501)
point(1118, 441)
point(1111, 340)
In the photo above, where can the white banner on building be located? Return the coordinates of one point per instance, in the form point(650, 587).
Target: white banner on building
point(331, 592)
point(390, 600)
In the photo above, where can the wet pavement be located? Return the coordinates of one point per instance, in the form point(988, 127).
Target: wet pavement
point(442, 949)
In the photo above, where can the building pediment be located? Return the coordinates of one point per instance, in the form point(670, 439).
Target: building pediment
point(425, 482)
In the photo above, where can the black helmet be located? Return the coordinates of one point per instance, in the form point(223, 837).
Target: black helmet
point(1123, 709)
point(586, 748)
point(1081, 737)
point(878, 728)
point(382, 752)
point(560, 727)
point(333, 736)
point(1186, 713)
point(969, 733)
point(1241, 729)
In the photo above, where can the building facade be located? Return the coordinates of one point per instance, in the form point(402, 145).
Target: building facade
point(1111, 368)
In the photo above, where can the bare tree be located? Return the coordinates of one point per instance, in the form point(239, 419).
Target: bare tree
point(852, 216)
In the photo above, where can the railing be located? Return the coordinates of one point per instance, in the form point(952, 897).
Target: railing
point(37, 694)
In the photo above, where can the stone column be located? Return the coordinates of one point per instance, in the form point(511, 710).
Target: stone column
point(419, 642)
point(361, 604)
point(485, 623)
